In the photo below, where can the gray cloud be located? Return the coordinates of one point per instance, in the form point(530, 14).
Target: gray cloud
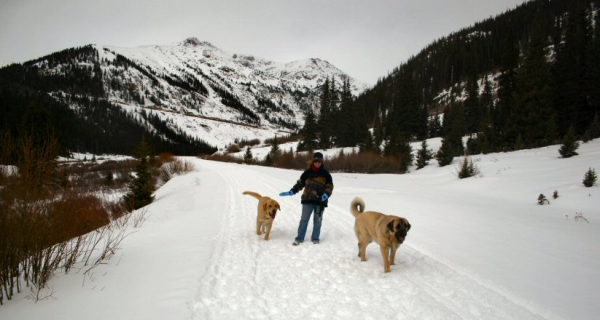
point(366, 38)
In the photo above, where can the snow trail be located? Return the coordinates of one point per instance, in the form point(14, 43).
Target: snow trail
point(252, 278)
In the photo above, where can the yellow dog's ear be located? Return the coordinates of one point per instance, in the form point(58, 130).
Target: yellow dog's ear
point(265, 206)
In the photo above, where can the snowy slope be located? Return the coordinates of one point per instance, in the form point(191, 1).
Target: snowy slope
point(479, 248)
point(202, 90)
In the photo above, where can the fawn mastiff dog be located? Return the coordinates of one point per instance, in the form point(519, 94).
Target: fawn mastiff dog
point(266, 211)
point(387, 230)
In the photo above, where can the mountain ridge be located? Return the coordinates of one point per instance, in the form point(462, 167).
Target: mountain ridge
point(192, 86)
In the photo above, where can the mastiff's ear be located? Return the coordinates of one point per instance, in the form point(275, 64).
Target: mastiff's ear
point(264, 206)
point(407, 226)
point(391, 226)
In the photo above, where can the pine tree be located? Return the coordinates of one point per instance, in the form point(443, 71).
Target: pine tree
point(406, 115)
point(142, 187)
point(274, 154)
point(472, 107)
point(593, 77)
point(572, 102)
point(399, 147)
point(504, 126)
point(593, 131)
point(248, 159)
point(445, 154)
point(309, 133)
point(435, 126)
point(570, 144)
point(533, 96)
point(325, 122)
point(423, 155)
point(467, 169)
point(457, 131)
point(368, 144)
point(590, 177)
point(345, 122)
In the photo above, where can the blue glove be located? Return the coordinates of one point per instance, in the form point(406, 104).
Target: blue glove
point(324, 197)
point(286, 193)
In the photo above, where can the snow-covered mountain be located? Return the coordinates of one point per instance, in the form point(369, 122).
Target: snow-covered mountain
point(203, 91)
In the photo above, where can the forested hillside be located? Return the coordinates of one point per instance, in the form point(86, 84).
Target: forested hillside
point(519, 80)
point(76, 113)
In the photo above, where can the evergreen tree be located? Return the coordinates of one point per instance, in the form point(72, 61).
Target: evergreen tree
point(533, 94)
point(467, 168)
point(593, 131)
point(473, 145)
point(368, 144)
point(345, 118)
point(309, 133)
point(503, 117)
point(488, 137)
point(446, 121)
point(571, 99)
point(593, 74)
point(435, 126)
point(326, 119)
point(457, 131)
point(406, 114)
point(423, 155)
point(142, 187)
point(472, 107)
point(570, 144)
point(486, 100)
point(248, 156)
point(445, 154)
point(399, 147)
point(590, 177)
point(274, 154)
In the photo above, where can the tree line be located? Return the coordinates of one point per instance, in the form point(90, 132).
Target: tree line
point(519, 80)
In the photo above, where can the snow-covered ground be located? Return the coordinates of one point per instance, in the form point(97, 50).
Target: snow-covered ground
point(479, 248)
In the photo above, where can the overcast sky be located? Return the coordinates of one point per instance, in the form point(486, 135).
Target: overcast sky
point(366, 38)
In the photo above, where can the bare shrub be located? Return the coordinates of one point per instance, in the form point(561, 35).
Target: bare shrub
point(225, 158)
point(233, 148)
point(366, 162)
point(245, 143)
point(165, 157)
point(139, 217)
point(177, 167)
point(75, 214)
point(579, 217)
point(47, 224)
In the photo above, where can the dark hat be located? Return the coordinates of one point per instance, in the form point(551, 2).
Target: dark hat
point(318, 156)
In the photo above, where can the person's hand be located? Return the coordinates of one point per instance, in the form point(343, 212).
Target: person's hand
point(286, 193)
point(324, 197)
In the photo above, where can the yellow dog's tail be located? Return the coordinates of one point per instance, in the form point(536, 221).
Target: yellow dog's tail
point(357, 206)
point(254, 194)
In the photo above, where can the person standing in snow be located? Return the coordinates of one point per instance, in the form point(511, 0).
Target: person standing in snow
point(318, 186)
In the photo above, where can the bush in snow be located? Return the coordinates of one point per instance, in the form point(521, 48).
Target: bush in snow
point(590, 177)
point(570, 144)
point(542, 200)
point(467, 168)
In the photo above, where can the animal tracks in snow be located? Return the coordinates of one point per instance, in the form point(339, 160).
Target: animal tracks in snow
point(252, 278)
